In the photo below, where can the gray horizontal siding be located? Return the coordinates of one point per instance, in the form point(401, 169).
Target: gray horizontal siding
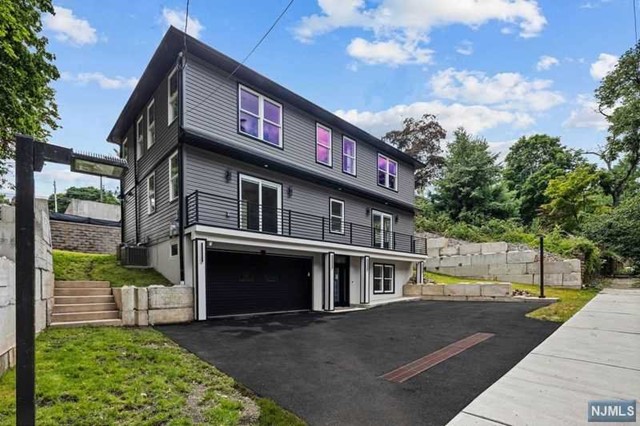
point(205, 172)
point(129, 220)
point(216, 115)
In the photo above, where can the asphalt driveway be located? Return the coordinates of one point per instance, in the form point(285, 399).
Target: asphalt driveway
point(326, 367)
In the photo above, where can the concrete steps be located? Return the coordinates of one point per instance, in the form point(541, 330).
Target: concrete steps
point(84, 303)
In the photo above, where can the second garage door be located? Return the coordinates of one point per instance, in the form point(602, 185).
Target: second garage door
point(241, 283)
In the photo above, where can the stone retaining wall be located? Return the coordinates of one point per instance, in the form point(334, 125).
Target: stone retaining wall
point(85, 237)
point(154, 305)
point(494, 261)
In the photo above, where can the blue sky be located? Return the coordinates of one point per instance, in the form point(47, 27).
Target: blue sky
point(501, 68)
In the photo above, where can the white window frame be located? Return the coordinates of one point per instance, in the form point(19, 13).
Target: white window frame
point(173, 195)
point(124, 154)
point(171, 114)
point(151, 211)
point(382, 231)
point(261, 182)
point(345, 155)
point(386, 172)
point(382, 267)
point(332, 216)
point(151, 127)
point(139, 138)
point(328, 129)
point(261, 118)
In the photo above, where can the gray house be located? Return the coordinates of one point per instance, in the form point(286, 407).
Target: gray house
point(256, 197)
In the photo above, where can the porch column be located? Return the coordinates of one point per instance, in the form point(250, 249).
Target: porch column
point(420, 272)
point(200, 279)
point(327, 282)
point(365, 279)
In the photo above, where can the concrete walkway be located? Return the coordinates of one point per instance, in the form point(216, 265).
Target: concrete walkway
point(594, 355)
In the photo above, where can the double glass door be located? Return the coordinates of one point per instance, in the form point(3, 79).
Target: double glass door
point(260, 205)
point(382, 230)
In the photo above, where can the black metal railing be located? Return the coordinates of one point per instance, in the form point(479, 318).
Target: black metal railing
point(223, 212)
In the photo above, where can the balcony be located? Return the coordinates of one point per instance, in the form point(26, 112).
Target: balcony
point(229, 213)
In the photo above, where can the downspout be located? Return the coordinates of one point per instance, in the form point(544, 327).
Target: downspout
point(182, 61)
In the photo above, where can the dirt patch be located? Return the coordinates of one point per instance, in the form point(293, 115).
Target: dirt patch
point(193, 407)
point(250, 411)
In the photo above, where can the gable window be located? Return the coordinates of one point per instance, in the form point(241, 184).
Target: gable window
point(336, 216)
point(323, 145)
point(173, 177)
point(123, 149)
point(139, 137)
point(348, 156)
point(383, 278)
point(387, 172)
point(151, 193)
point(260, 117)
point(151, 124)
point(172, 100)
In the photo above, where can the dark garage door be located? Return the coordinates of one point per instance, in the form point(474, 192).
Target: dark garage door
point(240, 283)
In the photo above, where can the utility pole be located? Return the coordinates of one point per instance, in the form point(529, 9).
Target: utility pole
point(101, 189)
point(55, 197)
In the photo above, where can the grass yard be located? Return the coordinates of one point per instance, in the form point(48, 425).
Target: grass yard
point(570, 300)
point(73, 266)
point(99, 376)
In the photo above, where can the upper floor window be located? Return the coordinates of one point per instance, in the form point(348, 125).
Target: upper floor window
point(336, 216)
point(139, 137)
point(387, 172)
point(172, 97)
point(323, 145)
point(260, 117)
point(151, 124)
point(348, 155)
point(173, 177)
point(124, 148)
point(151, 193)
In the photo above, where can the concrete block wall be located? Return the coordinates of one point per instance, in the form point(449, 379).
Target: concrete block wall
point(154, 305)
point(84, 237)
point(44, 279)
point(494, 261)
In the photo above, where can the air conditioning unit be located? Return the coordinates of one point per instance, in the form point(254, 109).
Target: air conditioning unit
point(134, 256)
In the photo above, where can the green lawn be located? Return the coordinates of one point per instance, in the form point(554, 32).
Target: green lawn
point(570, 300)
point(73, 266)
point(91, 376)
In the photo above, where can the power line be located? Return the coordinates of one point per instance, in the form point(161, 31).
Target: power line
point(255, 47)
point(635, 22)
point(186, 19)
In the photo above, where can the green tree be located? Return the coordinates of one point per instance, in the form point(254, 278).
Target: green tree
point(470, 186)
point(27, 102)
point(529, 166)
point(88, 193)
point(571, 196)
point(421, 139)
point(618, 100)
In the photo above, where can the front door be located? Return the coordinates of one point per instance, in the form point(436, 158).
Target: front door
point(341, 281)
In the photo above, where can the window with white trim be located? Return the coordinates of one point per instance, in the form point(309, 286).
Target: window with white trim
point(383, 278)
point(348, 156)
point(151, 193)
point(151, 124)
point(123, 149)
point(387, 172)
point(139, 137)
point(259, 116)
point(172, 96)
point(336, 216)
point(173, 177)
point(323, 145)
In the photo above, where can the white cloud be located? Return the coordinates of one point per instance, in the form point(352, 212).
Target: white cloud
point(465, 47)
point(396, 23)
point(69, 28)
point(474, 118)
point(502, 90)
point(176, 17)
point(390, 52)
point(603, 66)
point(586, 115)
point(546, 62)
point(102, 80)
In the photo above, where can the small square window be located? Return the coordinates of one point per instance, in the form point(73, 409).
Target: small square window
point(383, 278)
